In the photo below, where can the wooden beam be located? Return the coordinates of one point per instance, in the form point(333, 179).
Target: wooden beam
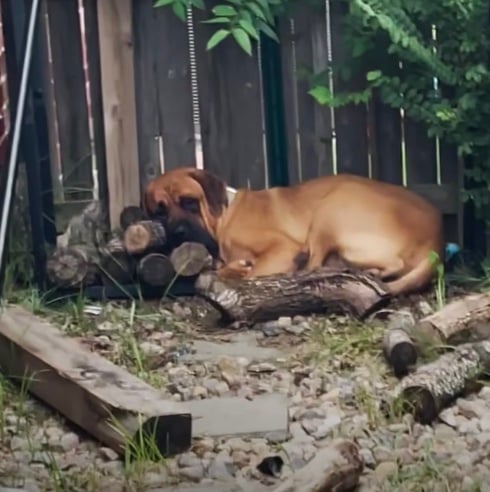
point(106, 401)
point(118, 95)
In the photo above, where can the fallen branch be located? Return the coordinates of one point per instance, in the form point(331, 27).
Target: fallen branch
point(144, 236)
point(432, 386)
point(462, 320)
point(190, 259)
point(267, 298)
point(336, 468)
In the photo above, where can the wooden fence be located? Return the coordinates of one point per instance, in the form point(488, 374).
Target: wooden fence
point(131, 91)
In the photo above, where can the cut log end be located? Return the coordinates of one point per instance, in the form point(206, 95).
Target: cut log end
point(156, 270)
point(190, 259)
point(400, 351)
point(143, 237)
point(72, 266)
point(116, 266)
point(131, 215)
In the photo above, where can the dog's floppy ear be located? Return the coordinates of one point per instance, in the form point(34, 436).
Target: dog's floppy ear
point(214, 190)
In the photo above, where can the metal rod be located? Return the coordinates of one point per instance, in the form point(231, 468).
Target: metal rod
point(17, 129)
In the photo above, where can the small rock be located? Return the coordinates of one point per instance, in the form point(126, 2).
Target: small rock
point(311, 425)
point(109, 454)
point(382, 454)
point(327, 426)
point(203, 445)
point(284, 322)
point(295, 329)
point(153, 479)
point(193, 473)
point(69, 441)
point(368, 457)
point(385, 470)
point(447, 416)
point(270, 328)
point(199, 392)
point(221, 467)
point(188, 460)
point(262, 367)
point(240, 458)
point(19, 444)
point(467, 484)
point(469, 427)
point(425, 308)
point(151, 349)
point(443, 431)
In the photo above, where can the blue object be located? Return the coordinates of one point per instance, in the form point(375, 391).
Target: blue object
point(451, 250)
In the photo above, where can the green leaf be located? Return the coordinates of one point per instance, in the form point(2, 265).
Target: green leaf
point(216, 38)
point(162, 3)
point(373, 75)
point(198, 4)
point(256, 10)
point(243, 39)
point(217, 20)
point(179, 10)
point(268, 31)
point(249, 28)
point(224, 11)
point(321, 94)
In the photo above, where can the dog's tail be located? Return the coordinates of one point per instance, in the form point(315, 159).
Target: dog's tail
point(413, 281)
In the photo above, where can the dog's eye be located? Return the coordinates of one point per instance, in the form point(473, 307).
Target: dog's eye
point(190, 204)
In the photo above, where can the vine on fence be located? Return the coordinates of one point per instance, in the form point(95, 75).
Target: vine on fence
point(429, 58)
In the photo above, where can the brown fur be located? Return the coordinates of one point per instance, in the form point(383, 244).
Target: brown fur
point(375, 226)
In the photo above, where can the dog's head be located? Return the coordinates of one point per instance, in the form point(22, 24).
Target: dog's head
point(189, 202)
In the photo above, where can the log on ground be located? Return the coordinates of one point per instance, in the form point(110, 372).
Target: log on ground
point(103, 399)
point(116, 266)
point(433, 386)
point(156, 270)
point(73, 266)
point(190, 259)
point(304, 292)
point(460, 321)
point(398, 347)
point(144, 237)
point(337, 467)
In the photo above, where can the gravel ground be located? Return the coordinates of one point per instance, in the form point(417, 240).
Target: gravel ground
point(330, 368)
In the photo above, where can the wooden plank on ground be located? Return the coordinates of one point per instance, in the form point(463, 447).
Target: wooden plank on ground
point(71, 102)
point(117, 75)
point(163, 90)
point(103, 399)
point(309, 125)
point(230, 107)
point(351, 120)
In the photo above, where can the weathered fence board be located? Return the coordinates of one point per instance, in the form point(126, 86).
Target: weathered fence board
point(351, 121)
point(309, 125)
point(230, 108)
point(117, 78)
point(71, 104)
point(163, 90)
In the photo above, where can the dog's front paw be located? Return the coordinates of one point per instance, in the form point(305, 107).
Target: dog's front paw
point(237, 269)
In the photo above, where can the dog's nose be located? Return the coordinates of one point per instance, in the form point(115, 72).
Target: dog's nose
point(180, 232)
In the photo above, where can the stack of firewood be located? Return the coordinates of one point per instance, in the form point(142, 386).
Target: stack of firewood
point(87, 254)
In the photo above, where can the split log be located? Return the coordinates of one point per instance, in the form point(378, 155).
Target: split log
point(190, 259)
point(156, 270)
point(433, 386)
point(304, 292)
point(144, 236)
point(462, 320)
point(109, 403)
point(337, 467)
point(73, 266)
point(398, 347)
point(131, 215)
point(116, 266)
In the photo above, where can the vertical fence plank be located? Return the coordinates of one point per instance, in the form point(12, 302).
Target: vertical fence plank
point(310, 127)
point(230, 108)
point(71, 104)
point(95, 91)
point(163, 89)
point(351, 120)
point(420, 153)
point(117, 76)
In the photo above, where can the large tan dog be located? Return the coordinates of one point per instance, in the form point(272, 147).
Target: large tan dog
point(377, 227)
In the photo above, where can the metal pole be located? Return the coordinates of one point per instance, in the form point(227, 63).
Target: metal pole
point(19, 114)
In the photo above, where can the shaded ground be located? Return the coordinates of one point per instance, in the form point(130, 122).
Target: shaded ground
point(330, 368)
